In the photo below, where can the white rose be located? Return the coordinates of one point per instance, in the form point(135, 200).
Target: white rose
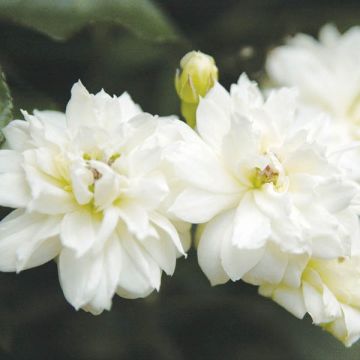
point(329, 292)
point(265, 189)
point(327, 75)
point(89, 187)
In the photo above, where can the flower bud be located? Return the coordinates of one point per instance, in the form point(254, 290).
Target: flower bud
point(196, 77)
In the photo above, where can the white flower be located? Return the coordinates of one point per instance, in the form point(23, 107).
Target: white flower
point(89, 188)
point(264, 187)
point(327, 75)
point(329, 292)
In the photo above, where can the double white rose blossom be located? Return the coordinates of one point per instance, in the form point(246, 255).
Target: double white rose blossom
point(329, 292)
point(89, 187)
point(327, 76)
point(269, 196)
point(110, 192)
point(267, 191)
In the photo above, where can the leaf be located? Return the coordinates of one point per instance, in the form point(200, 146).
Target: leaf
point(61, 19)
point(5, 104)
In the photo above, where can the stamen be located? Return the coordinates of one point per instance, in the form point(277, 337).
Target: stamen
point(97, 175)
point(113, 158)
point(265, 176)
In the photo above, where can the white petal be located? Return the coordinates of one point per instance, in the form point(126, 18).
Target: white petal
point(144, 263)
point(314, 304)
point(352, 322)
point(332, 307)
point(276, 205)
point(239, 143)
point(80, 109)
point(47, 194)
point(48, 249)
point(236, 261)
point(162, 250)
point(164, 224)
point(292, 300)
point(246, 92)
point(79, 276)
point(14, 190)
point(144, 159)
point(251, 227)
point(149, 189)
point(108, 224)
point(132, 283)
point(209, 249)
point(335, 194)
point(197, 166)
point(270, 268)
point(184, 231)
point(289, 298)
point(27, 240)
point(109, 278)
point(81, 179)
point(10, 161)
point(281, 105)
point(128, 108)
point(212, 122)
point(295, 267)
point(56, 118)
point(198, 206)
point(107, 188)
point(45, 131)
point(221, 97)
point(136, 218)
point(79, 230)
point(17, 135)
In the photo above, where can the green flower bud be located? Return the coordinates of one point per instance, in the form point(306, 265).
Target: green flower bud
point(197, 75)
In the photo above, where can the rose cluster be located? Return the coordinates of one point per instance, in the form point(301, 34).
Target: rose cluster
point(271, 177)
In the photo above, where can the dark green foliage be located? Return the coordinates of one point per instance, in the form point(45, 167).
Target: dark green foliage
point(5, 104)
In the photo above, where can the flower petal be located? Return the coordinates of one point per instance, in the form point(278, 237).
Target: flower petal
point(136, 219)
point(197, 166)
point(251, 227)
point(270, 268)
point(139, 273)
point(27, 240)
point(212, 121)
point(109, 278)
point(80, 109)
point(79, 276)
point(169, 229)
point(209, 249)
point(17, 135)
point(198, 206)
point(14, 190)
point(79, 230)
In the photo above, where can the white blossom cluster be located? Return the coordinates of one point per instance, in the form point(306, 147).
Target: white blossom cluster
point(110, 192)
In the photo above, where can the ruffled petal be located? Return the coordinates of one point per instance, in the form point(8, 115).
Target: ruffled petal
point(213, 236)
point(251, 228)
point(80, 110)
point(198, 206)
point(79, 276)
point(79, 230)
point(28, 240)
point(14, 190)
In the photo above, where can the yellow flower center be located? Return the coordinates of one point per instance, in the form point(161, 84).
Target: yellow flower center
point(267, 175)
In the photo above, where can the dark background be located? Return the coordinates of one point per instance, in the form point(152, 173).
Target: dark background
point(45, 46)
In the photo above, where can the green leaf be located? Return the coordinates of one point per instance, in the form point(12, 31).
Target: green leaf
point(5, 104)
point(61, 19)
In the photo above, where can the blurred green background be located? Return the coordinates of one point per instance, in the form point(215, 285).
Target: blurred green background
point(135, 45)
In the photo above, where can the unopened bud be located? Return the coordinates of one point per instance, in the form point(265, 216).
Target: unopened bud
point(197, 75)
